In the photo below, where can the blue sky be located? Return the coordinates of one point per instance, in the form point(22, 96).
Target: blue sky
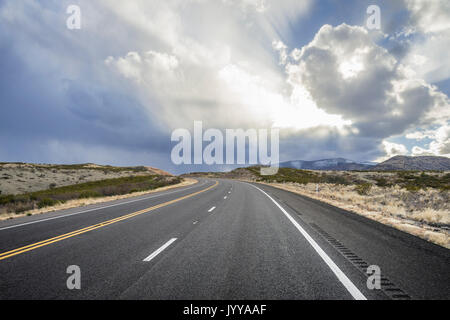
point(113, 91)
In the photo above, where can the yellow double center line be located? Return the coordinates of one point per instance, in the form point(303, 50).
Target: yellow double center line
point(8, 254)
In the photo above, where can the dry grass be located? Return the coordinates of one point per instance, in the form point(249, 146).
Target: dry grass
point(425, 213)
point(84, 202)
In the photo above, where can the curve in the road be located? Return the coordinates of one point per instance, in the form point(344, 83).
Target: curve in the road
point(33, 246)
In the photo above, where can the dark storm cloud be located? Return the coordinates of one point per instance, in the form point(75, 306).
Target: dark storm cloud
point(52, 89)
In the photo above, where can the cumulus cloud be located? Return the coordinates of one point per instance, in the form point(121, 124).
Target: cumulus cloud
point(222, 83)
point(348, 74)
point(393, 149)
point(440, 144)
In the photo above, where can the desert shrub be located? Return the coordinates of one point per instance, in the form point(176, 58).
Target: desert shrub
point(89, 194)
point(46, 202)
point(22, 207)
point(4, 200)
point(108, 187)
point(363, 189)
point(334, 179)
point(382, 182)
point(412, 187)
point(415, 182)
point(140, 169)
point(301, 176)
point(288, 175)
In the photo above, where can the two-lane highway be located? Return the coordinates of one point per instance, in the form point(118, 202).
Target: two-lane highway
point(220, 239)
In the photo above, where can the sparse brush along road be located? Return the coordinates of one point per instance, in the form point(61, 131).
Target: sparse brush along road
point(217, 239)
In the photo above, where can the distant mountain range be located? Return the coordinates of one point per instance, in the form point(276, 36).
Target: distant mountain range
point(423, 163)
point(339, 164)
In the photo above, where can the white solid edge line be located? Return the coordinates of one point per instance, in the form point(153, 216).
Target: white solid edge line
point(154, 254)
point(352, 289)
point(212, 209)
point(94, 209)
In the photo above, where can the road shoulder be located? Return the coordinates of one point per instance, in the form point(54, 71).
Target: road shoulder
point(437, 236)
point(80, 203)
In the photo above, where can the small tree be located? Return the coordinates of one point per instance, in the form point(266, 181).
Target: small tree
point(363, 189)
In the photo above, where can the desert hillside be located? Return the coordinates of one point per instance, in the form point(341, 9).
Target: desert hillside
point(35, 188)
point(424, 163)
point(397, 163)
point(19, 178)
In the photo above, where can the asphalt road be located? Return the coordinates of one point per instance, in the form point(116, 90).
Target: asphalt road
point(216, 240)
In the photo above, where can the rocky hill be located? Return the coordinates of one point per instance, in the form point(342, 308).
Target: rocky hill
point(423, 163)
